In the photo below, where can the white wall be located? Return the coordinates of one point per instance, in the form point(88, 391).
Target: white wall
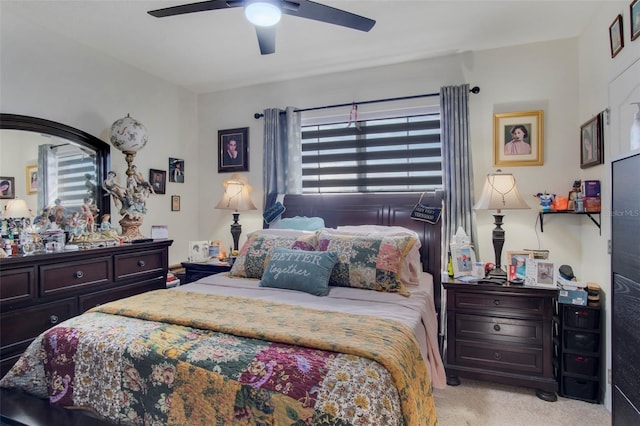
point(606, 83)
point(45, 75)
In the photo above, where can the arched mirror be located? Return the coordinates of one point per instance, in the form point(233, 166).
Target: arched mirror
point(50, 164)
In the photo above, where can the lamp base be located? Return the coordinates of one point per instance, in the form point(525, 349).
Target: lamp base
point(131, 229)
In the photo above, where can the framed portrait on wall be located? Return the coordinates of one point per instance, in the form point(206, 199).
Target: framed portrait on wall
point(32, 178)
point(176, 170)
point(233, 150)
point(158, 180)
point(7, 188)
point(591, 144)
point(518, 139)
point(634, 9)
point(616, 39)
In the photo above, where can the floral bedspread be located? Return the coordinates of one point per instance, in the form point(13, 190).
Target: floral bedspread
point(177, 358)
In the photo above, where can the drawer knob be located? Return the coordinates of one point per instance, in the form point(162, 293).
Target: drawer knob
point(53, 319)
point(141, 263)
point(79, 274)
point(496, 302)
point(496, 327)
point(497, 355)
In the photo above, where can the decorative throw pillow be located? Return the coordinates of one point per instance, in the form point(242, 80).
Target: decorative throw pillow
point(372, 262)
point(412, 265)
point(302, 223)
point(307, 271)
point(254, 252)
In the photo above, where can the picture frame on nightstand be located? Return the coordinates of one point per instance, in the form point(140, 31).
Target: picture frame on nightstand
point(540, 273)
point(463, 258)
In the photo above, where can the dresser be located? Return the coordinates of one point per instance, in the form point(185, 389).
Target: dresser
point(500, 334)
point(39, 291)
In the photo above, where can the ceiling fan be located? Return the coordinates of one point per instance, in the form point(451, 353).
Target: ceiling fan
point(265, 14)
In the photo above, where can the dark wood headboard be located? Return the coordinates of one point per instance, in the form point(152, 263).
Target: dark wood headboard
point(377, 209)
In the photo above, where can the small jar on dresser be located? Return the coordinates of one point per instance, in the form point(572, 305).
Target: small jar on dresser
point(500, 333)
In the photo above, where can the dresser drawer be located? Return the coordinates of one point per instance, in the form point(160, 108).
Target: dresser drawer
point(511, 304)
point(136, 265)
point(19, 327)
point(499, 357)
point(17, 285)
point(497, 329)
point(89, 301)
point(70, 278)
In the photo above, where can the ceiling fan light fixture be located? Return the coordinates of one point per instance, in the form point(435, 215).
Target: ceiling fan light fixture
point(262, 13)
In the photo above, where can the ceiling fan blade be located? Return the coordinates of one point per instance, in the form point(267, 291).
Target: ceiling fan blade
point(194, 7)
point(266, 39)
point(319, 12)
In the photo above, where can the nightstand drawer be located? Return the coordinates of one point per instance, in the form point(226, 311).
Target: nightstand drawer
point(499, 357)
point(522, 306)
point(69, 278)
point(136, 265)
point(495, 329)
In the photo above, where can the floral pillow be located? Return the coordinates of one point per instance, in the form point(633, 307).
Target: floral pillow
point(255, 251)
point(372, 262)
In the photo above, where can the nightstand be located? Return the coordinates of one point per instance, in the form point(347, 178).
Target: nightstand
point(196, 270)
point(501, 334)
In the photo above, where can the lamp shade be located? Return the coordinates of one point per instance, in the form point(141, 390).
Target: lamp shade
point(236, 194)
point(128, 134)
point(500, 192)
point(263, 13)
point(17, 209)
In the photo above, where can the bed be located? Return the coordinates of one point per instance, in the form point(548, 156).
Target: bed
point(246, 349)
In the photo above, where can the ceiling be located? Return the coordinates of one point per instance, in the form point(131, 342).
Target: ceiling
point(217, 50)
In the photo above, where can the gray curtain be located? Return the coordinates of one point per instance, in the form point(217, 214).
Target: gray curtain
point(282, 153)
point(457, 173)
point(47, 176)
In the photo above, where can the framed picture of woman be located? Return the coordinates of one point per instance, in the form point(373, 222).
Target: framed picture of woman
point(32, 178)
point(7, 187)
point(591, 149)
point(158, 180)
point(517, 139)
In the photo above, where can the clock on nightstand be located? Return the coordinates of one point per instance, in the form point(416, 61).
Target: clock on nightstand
point(196, 270)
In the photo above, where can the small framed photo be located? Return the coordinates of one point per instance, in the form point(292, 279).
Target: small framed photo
point(518, 139)
point(216, 250)
point(175, 203)
point(591, 146)
point(233, 150)
point(198, 251)
point(616, 40)
point(7, 188)
point(634, 9)
point(463, 258)
point(540, 273)
point(158, 180)
point(517, 260)
point(176, 170)
point(32, 178)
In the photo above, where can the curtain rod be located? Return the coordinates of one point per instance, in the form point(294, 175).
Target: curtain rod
point(473, 90)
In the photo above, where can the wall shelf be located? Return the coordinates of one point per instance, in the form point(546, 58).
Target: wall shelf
point(590, 215)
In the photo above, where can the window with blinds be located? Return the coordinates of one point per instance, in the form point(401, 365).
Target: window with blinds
point(76, 178)
point(398, 154)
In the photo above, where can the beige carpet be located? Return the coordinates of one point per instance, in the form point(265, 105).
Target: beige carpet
point(476, 403)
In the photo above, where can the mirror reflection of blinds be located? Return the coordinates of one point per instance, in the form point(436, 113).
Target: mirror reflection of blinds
point(380, 155)
point(73, 173)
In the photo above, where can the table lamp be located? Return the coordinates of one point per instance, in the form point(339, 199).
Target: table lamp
point(499, 193)
point(236, 198)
